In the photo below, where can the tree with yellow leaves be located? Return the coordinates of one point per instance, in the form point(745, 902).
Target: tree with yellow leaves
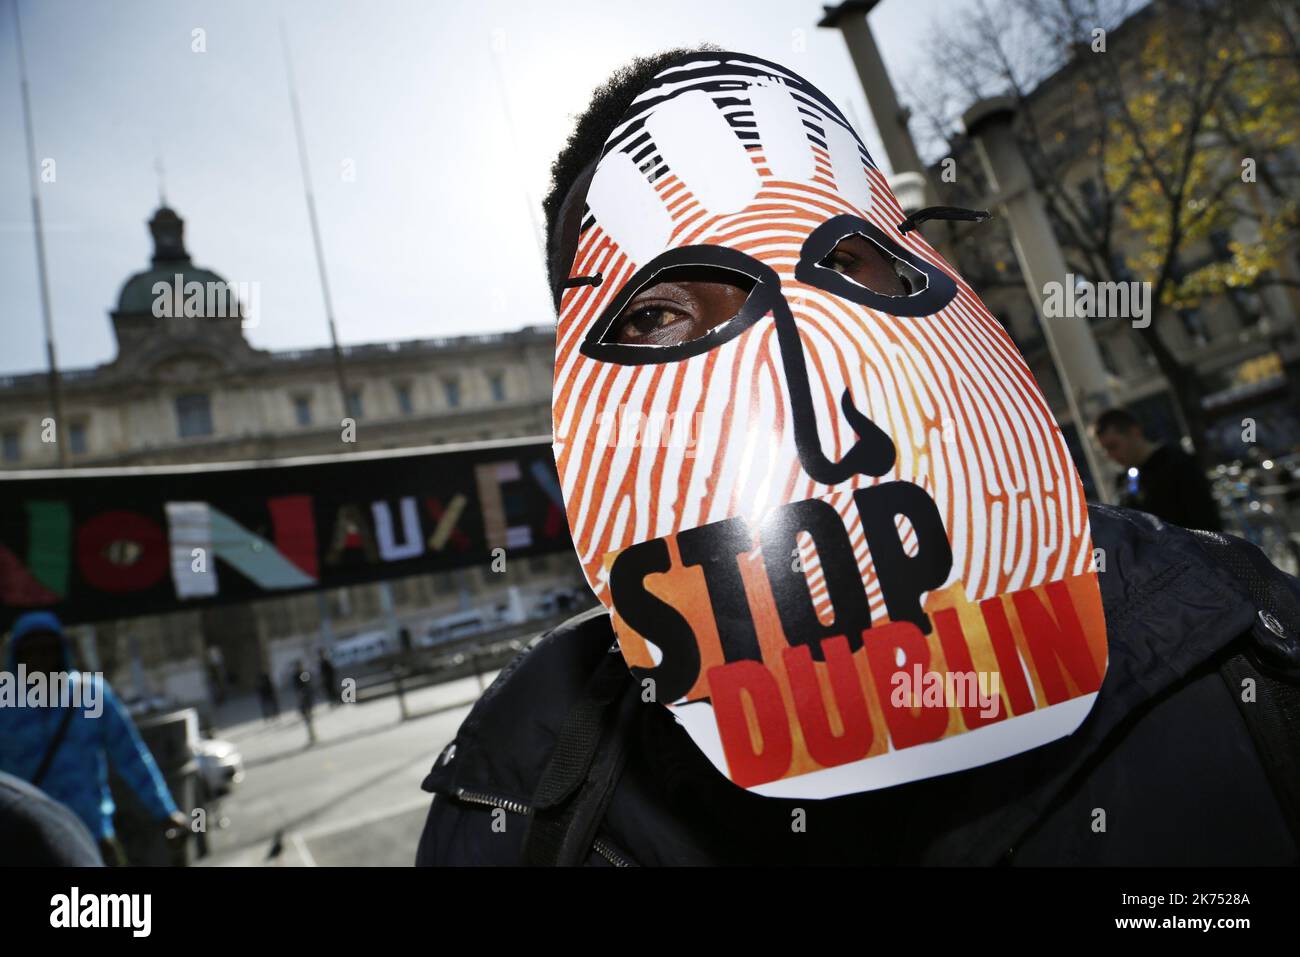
point(1189, 111)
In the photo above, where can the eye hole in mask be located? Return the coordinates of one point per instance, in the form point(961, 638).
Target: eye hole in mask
point(682, 303)
point(864, 261)
point(917, 287)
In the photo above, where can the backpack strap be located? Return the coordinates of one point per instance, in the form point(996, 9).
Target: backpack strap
point(1276, 635)
point(585, 765)
point(1273, 719)
point(1271, 661)
point(53, 747)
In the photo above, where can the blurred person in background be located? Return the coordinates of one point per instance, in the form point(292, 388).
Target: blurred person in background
point(329, 678)
point(1159, 478)
point(302, 686)
point(217, 673)
point(64, 749)
point(306, 698)
point(267, 697)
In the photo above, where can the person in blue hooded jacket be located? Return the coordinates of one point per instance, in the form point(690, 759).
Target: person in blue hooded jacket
point(63, 742)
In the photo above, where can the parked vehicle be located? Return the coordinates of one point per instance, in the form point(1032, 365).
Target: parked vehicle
point(458, 625)
point(139, 706)
point(220, 765)
point(554, 601)
point(361, 648)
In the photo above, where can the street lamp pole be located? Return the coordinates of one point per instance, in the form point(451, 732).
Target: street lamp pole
point(1073, 348)
point(850, 19)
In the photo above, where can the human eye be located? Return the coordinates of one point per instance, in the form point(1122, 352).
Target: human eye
point(678, 304)
point(644, 320)
point(862, 261)
point(842, 261)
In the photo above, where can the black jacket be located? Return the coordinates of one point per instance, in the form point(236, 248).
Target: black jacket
point(37, 831)
point(1184, 771)
point(1173, 487)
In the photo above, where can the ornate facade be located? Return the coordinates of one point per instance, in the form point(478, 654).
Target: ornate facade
point(191, 388)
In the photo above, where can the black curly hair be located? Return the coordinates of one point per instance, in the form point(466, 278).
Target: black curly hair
point(608, 104)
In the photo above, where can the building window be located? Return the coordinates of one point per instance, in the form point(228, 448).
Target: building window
point(497, 383)
point(367, 601)
point(404, 404)
point(1107, 356)
point(340, 603)
point(193, 415)
point(302, 409)
point(1221, 244)
point(1092, 200)
point(13, 446)
point(277, 617)
point(452, 389)
point(355, 407)
point(77, 438)
point(1194, 326)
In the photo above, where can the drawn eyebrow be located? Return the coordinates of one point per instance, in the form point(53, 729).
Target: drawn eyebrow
point(593, 280)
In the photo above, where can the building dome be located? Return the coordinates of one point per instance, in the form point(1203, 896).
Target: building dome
point(138, 294)
point(169, 260)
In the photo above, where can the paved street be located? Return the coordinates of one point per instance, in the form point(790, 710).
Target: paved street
point(353, 798)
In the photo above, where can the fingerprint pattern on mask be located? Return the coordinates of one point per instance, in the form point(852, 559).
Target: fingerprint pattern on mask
point(951, 389)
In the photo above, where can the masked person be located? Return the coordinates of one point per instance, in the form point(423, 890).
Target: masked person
point(63, 747)
point(855, 607)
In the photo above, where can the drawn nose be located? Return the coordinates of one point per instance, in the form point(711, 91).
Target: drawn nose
point(873, 453)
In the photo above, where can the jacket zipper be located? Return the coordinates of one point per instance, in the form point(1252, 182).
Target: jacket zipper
point(609, 854)
point(477, 797)
point(489, 800)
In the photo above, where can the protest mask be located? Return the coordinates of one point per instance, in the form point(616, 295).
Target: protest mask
point(840, 534)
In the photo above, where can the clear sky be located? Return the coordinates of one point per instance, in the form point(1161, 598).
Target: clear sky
point(447, 112)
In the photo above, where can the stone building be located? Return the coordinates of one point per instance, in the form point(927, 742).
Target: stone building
point(191, 388)
point(1243, 345)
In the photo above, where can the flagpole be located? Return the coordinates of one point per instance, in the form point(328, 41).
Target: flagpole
point(539, 234)
point(315, 223)
point(56, 385)
point(385, 588)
